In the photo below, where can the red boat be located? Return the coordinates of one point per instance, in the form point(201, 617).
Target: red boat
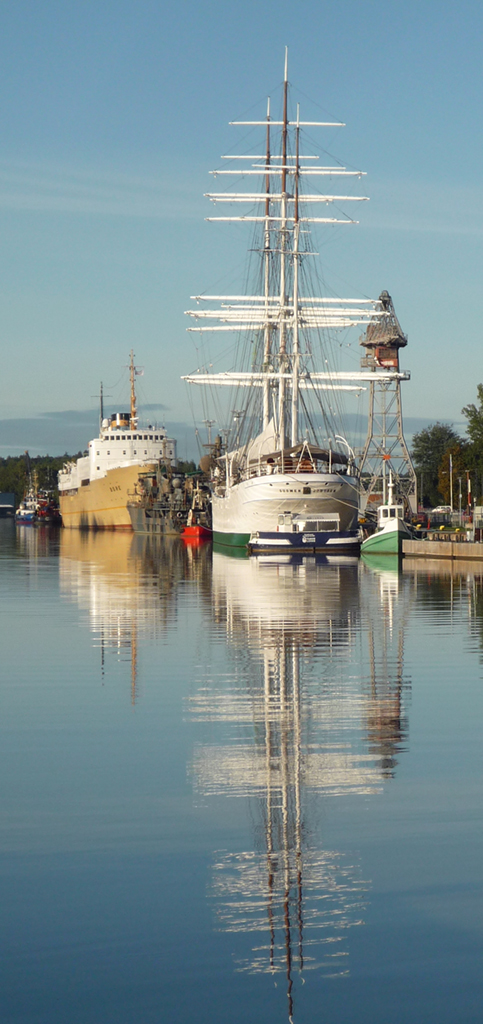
point(196, 531)
point(198, 524)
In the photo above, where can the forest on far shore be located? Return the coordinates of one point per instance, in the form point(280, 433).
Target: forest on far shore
point(14, 472)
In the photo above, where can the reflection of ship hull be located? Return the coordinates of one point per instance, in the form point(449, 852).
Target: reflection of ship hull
point(387, 563)
point(102, 504)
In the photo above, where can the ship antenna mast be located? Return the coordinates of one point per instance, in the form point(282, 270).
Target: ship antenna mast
point(295, 339)
point(101, 397)
point(283, 260)
point(132, 373)
point(268, 329)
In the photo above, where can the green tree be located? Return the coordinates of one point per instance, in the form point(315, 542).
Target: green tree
point(429, 446)
point(474, 417)
point(44, 468)
point(186, 467)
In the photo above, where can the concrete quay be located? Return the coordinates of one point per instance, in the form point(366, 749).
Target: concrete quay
point(463, 550)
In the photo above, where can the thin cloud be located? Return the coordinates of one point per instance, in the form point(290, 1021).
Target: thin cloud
point(426, 207)
point(56, 189)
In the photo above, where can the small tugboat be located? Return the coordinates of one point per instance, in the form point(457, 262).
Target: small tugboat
point(198, 523)
point(48, 511)
point(27, 509)
point(26, 513)
point(391, 529)
point(38, 508)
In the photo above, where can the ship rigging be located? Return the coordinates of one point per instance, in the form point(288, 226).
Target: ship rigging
point(278, 392)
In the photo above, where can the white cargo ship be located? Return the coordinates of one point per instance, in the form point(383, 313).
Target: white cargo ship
point(94, 490)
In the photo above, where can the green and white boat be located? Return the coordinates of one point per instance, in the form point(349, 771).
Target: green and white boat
point(391, 529)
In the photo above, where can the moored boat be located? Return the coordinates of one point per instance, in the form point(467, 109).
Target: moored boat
point(198, 522)
point(196, 530)
point(391, 529)
point(48, 510)
point(167, 502)
point(26, 513)
point(95, 489)
point(160, 502)
point(38, 506)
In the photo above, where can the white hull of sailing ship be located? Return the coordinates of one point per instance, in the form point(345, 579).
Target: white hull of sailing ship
point(296, 512)
point(94, 490)
point(276, 483)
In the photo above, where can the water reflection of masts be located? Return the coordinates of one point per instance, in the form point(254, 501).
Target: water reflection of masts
point(387, 605)
point(282, 622)
point(134, 668)
point(290, 767)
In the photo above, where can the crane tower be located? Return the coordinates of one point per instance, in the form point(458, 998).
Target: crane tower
point(385, 449)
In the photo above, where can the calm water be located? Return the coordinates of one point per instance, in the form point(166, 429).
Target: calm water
point(237, 790)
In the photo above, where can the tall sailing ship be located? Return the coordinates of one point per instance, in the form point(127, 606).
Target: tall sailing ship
point(287, 479)
point(94, 490)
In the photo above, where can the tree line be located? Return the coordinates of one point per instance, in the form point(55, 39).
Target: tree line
point(14, 472)
point(444, 461)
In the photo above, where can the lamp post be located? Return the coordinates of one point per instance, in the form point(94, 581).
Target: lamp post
point(459, 507)
point(451, 481)
point(209, 424)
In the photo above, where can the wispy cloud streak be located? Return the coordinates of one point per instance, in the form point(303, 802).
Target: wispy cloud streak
point(426, 207)
point(49, 188)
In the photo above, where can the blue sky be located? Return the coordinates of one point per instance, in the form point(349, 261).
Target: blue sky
point(112, 115)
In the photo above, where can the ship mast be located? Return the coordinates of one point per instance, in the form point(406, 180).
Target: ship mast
point(295, 336)
point(279, 306)
point(132, 373)
point(266, 255)
point(283, 266)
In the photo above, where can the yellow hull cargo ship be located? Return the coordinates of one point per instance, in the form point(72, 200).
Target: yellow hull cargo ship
point(94, 490)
